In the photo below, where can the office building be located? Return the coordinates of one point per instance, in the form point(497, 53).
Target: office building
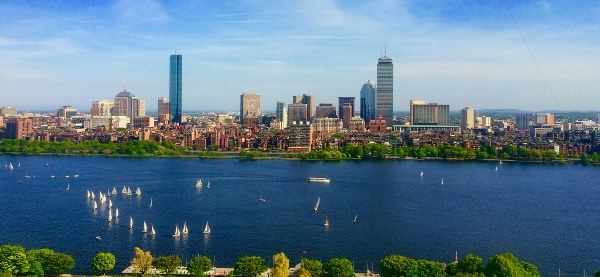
point(325, 110)
point(357, 124)
point(467, 119)
point(347, 111)
point(412, 112)
point(297, 113)
point(66, 111)
point(8, 111)
point(367, 101)
point(300, 139)
point(309, 100)
point(544, 118)
point(281, 112)
point(341, 102)
point(163, 109)
point(430, 114)
point(175, 99)
point(249, 108)
point(102, 108)
point(385, 89)
point(522, 121)
point(126, 104)
point(326, 126)
point(18, 128)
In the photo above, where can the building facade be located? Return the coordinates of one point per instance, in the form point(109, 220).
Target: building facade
point(163, 109)
point(281, 112)
point(325, 110)
point(175, 97)
point(343, 112)
point(431, 114)
point(297, 113)
point(249, 108)
point(8, 111)
point(367, 101)
point(102, 108)
point(385, 89)
point(309, 100)
point(66, 111)
point(126, 104)
point(467, 119)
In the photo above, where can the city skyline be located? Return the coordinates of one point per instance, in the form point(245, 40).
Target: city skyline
point(529, 55)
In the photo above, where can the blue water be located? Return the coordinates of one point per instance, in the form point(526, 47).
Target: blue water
point(546, 214)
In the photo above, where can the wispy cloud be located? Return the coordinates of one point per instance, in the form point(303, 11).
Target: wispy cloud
point(140, 10)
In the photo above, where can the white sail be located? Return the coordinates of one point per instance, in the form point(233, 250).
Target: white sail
point(130, 222)
point(317, 205)
point(150, 202)
point(208, 184)
point(206, 229)
point(88, 194)
point(326, 222)
point(138, 191)
point(152, 232)
point(114, 191)
point(124, 190)
point(107, 192)
point(129, 191)
point(110, 215)
point(177, 233)
point(116, 212)
point(421, 174)
point(10, 166)
point(109, 203)
point(442, 182)
point(68, 186)
point(145, 228)
point(261, 199)
point(199, 183)
point(93, 195)
point(185, 228)
point(355, 217)
point(95, 205)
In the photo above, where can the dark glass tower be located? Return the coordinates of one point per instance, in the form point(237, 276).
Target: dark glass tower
point(175, 89)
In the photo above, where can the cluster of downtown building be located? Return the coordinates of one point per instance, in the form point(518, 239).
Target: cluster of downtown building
point(300, 125)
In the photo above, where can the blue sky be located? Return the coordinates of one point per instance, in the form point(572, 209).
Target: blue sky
point(461, 53)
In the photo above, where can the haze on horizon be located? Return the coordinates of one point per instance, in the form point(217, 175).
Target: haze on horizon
point(461, 53)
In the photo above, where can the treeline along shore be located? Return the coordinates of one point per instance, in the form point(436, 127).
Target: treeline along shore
point(346, 152)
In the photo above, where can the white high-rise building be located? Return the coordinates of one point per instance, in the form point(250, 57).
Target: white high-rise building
point(385, 89)
point(281, 112)
point(467, 119)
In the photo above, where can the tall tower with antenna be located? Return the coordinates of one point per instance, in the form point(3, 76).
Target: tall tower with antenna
point(175, 98)
point(385, 89)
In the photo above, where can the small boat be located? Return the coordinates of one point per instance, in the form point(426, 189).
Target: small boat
point(93, 195)
point(496, 168)
point(317, 205)
point(67, 176)
point(130, 222)
point(138, 191)
point(208, 184)
point(52, 176)
point(441, 183)
point(76, 175)
point(95, 205)
point(19, 164)
point(145, 228)
point(109, 203)
point(152, 232)
point(88, 194)
point(206, 229)
point(107, 192)
point(500, 162)
point(177, 233)
point(261, 199)
point(355, 217)
point(124, 191)
point(10, 166)
point(98, 238)
point(129, 191)
point(421, 174)
point(27, 175)
point(326, 222)
point(109, 215)
point(150, 202)
point(184, 231)
point(114, 191)
point(68, 186)
point(318, 180)
point(199, 183)
point(116, 212)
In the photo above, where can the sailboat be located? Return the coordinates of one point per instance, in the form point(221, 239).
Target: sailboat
point(52, 176)
point(130, 222)
point(500, 162)
point(496, 168)
point(208, 184)
point(124, 190)
point(355, 217)
point(19, 164)
point(206, 229)
point(114, 191)
point(150, 202)
point(109, 203)
point(184, 231)
point(421, 174)
point(129, 191)
point(138, 192)
point(95, 205)
point(110, 215)
point(10, 166)
point(145, 228)
point(67, 186)
point(88, 194)
point(76, 175)
point(326, 222)
point(152, 232)
point(199, 183)
point(116, 212)
point(108, 192)
point(27, 175)
point(317, 205)
point(261, 199)
point(93, 195)
point(442, 181)
point(177, 233)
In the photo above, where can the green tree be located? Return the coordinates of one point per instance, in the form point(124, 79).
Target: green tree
point(430, 268)
point(16, 264)
point(142, 260)
point(506, 265)
point(35, 269)
point(198, 265)
point(597, 274)
point(338, 267)
point(103, 262)
point(314, 267)
point(281, 265)
point(470, 264)
point(60, 263)
point(396, 265)
point(167, 264)
point(249, 266)
point(304, 273)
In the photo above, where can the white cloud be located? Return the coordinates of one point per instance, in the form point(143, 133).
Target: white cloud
point(140, 10)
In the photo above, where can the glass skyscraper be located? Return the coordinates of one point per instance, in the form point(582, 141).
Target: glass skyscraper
point(385, 89)
point(175, 89)
point(367, 101)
